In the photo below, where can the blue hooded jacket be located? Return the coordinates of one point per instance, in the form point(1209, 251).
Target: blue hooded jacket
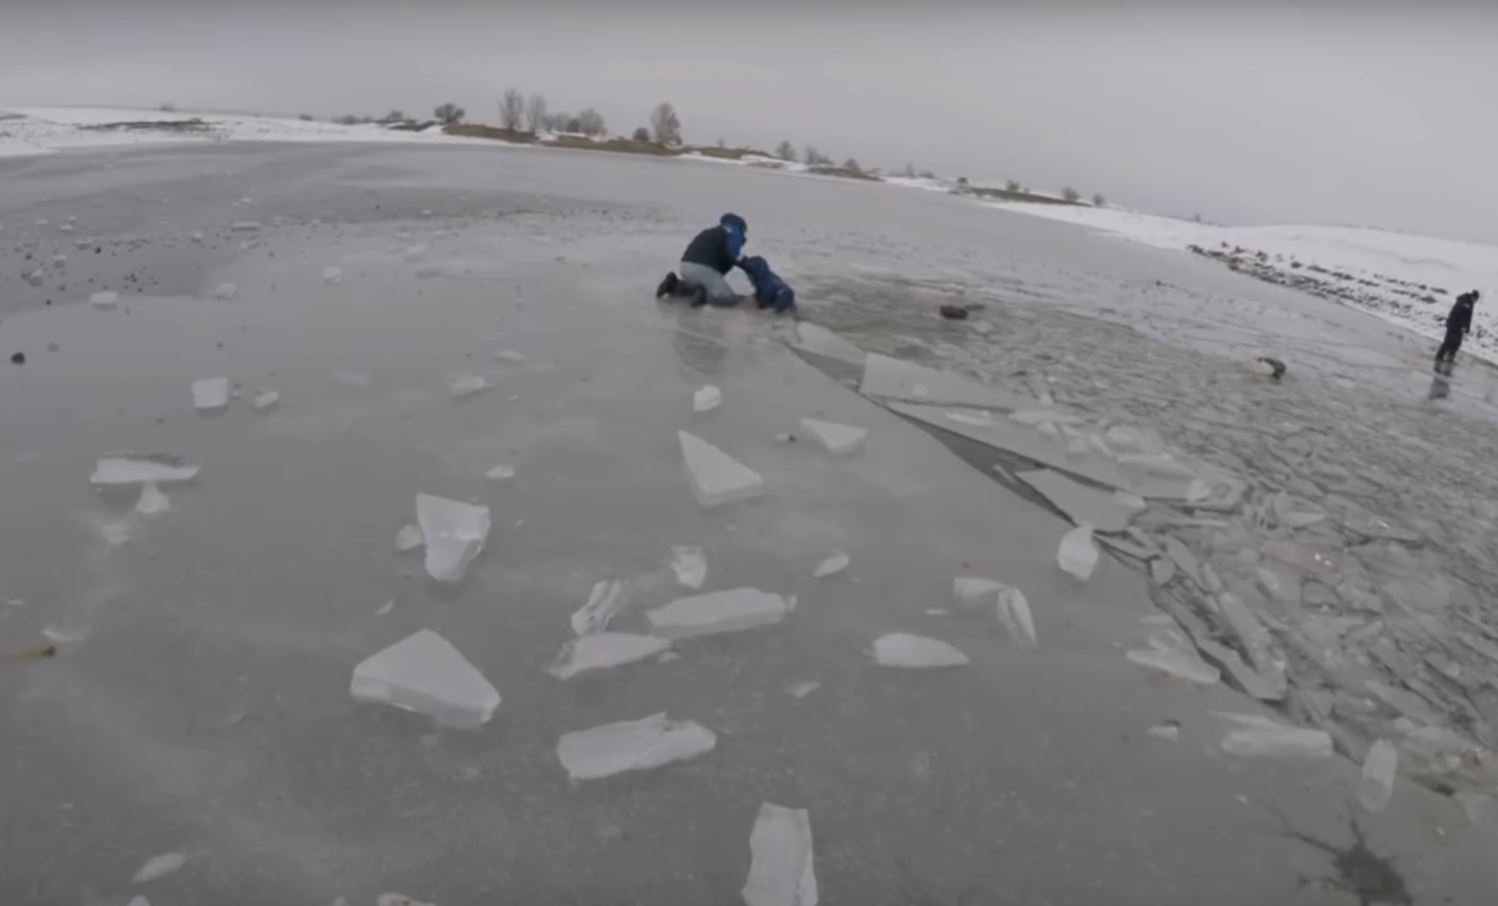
point(770, 291)
point(719, 247)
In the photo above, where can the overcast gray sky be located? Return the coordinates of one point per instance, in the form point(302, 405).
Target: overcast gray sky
point(1376, 114)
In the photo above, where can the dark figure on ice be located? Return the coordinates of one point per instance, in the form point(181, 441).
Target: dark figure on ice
point(709, 257)
point(1458, 325)
point(770, 291)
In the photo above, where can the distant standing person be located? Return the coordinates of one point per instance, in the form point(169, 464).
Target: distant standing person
point(709, 257)
point(1458, 325)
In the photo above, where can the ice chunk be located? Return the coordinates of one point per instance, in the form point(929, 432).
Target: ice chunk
point(399, 899)
point(464, 386)
point(836, 439)
point(1130, 501)
point(718, 611)
point(977, 418)
point(500, 472)
point(815, 338)
point(332, 274)
point(803, 688)
point(834, 564)
point(973, 593)
point(716, 477)
point(632, 745)
point(159, 867)
point(706, 399)
point(1171, 654)
point(225, 292)
point(1037, 417)
point(1077, 556)
point(899, 380)
point(152, 502)
point(210, 394)
point(1169, 729)
point(1162, 570)
point(455, 533)
point(426, 674)
point(105, 299)
point(690, 565)
point(197, 236)
point(780, 859)
point(409, 538)
point(510, 355)
point(1014, 615)
point(1376, 785)
point(902, 649)
point(1081, 504)
point(245, 226)
point(265, 399)
point(1182, 557)
point(603, 603)
point(1161, 465)
point(132, 468)
point(415, 252)
point(1273, 740)
point(604, 650)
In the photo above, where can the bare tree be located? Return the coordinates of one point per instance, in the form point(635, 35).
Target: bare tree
point(449, 113)
point(535, 113)
point(1011, 185)
point(1098, 201)
point(1070, 194)
point(927, 174)
point(394, 116)
point(512, 109)
point(572, 124)
point(641, 135)
point(909, 171)
point(786, 151)
point(815, 158)
point(167, 107)
point(590, 123)
point(852, 164)
point(305, 117)
point(665, 124)
point(556, 122)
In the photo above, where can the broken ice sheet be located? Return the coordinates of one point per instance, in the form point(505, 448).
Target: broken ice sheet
point(915, 652)
point(1169, 729)
point(152, 502)
point(426, 674)
point(831, 566)
point(690, 566)
point(409, 538)
point(510, 355)
point(715, 477)
point(210, 394)
point(1077, 555)
point(1080, 503)
point(839, 440)
point(1376, 782)
point(1171, 654)
point(604, 650)
point(1265, 738)
point(900, 380)
point(463, 386)
point(500, 473)
point(159, 867)
point(733, 610)
point(139, 468)
point(104, 300)
point(707, 398)
point(603, 603)
point(632, 745)
point(781, 870)
point(455, 533)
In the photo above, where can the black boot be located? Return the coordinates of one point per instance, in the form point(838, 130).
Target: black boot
point(667, 287)
point(699, 296)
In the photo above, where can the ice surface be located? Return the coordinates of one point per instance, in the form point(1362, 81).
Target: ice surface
point(781, 869)
point(463, 386)
point(265, 399)
point(894, 379)
point(225, 292)
point(1168, 730)
point(152, 502)
point(1077, 555)
point(818, 339)
point(409, 538)
point(415, 252)
point(977, 418)
point(717, 611)
point(349, 378)
point(604, 650)
point(1081, 504)
point(1376, 784)
point(105, 299)
point(210, 394)
point(500, 472)
point(836, 439)
point(510, 355)
point(1162, 570)
point(831, 566)
point(1171, 654)
point(632, 745)
point(716, 477)
point(602, 605)
point(138, 901)
point(455, 533)
point(245, 226)
point(707, 398)
point(1261, 737)
point(902, 649)
point(159, 867)
point(399, 899)
point(332, 274)
point(1182, 557)
point(1270, 683)
point(803, 688)
point(690, 566)
point(132, 468)
point(426, 674)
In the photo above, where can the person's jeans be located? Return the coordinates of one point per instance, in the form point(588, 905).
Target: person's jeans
point(718, 290)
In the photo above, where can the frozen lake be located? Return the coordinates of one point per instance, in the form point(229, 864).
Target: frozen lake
point(199, 701)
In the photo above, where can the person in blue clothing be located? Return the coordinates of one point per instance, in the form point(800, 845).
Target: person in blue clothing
point(705, 264)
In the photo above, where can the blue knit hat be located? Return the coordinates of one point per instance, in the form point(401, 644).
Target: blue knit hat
point(734, 221)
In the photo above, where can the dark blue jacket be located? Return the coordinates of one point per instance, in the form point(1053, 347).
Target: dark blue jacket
point(715, 247)
point(769, 290)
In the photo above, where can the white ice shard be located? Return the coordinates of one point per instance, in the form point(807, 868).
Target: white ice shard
point(603, 603)
point(455, 533)
point(245, 226)
point(1014, 615)
point(781, 870)
point(1037, 417)
point(604, 650)
point(265, 399)
point(831, 566)
point(803, 688)
point(632, 745)
point(718, 611)
point(707, 398)
point(974, 593)
point(1171, 654)
point(426, 674)
point(152, 502)
point(409, 538)
point(510, 355)
point(463, 386)
point(902, 649)
point(159, 867)
point(815, 338)
point(500, 472)
point(225, 292)
point(1265, 738)
point(133, 468)
point(689, 564)
point(836, 439)
point(1077, 556)
point(105, 299)
point(332, 274)
point(1376, 784)
point(717, 478)
point(210, 394)
point(1081, 503)
point(977, 418)
point(1170, 730)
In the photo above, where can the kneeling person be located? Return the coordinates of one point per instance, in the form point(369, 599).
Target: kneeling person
point(705, 264)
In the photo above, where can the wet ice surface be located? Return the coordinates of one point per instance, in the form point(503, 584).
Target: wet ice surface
point(200, 701)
